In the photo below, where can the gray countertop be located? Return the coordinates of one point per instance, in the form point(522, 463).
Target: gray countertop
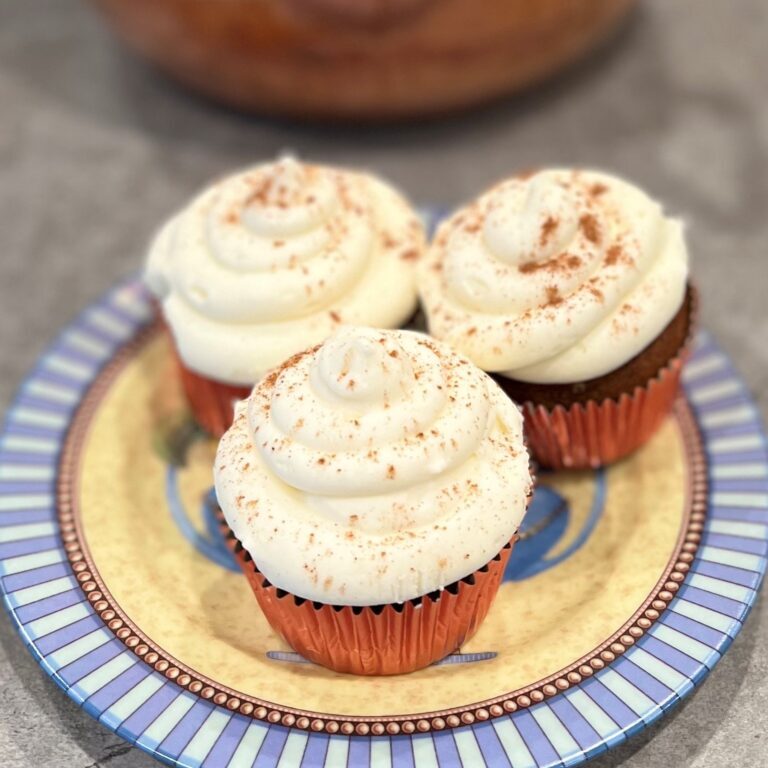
point(96, 149)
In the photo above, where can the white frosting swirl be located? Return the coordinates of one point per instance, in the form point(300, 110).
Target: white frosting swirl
point(374, 468)
point(274, 259)
point(557, 277)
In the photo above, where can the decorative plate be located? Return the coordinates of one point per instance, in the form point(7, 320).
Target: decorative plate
point(626, 589)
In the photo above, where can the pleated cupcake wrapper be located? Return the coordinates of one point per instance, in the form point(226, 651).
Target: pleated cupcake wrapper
point(377, 640)
point(212, 402)
point(591, 434)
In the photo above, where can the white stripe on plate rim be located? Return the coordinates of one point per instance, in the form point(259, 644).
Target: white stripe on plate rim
point(30, 444)
point(638, 701)
point(514, 745)
point(36, 417)
point(249, 746)
point(739, 471)
point(28, 595)
point(9, 533)
point(659, 669)
point(738, 528)
point(130, 299)
point(102, 675)
point(467, 746)
point(48, 390)
point(43, 626)
point(593, 713)
point(381, 752)
point(424, 753)
point(743, 560)
point(113, 325)
point(205, 737)
point(728, 417)
point(746, 499)
point(22, 563)
point(24, 472)
point(82, 341)
point(17, 502)
point(131, 700)
point(697, 368)
point(706, 616)
point(70, 368)
point(559, 736)
point(75, 650)
point(167, 720)
point(686, 644)
point(711, 393)
point(721, 587)
point(293, 749)
point(735, 443)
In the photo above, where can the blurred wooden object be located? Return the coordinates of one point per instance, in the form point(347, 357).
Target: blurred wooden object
point(361, 59)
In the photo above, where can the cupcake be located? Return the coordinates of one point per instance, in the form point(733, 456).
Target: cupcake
point(571, 287)
point(272, 260)
point(372, 488)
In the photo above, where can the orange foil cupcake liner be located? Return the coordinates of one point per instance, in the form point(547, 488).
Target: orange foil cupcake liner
point(382, 639)
point(591, 434)
point(212, 402)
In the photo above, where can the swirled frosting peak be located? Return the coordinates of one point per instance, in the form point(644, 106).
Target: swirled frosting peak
point(556, 277)
point(273, 259)
point(373, 468)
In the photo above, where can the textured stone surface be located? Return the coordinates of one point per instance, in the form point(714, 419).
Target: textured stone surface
point(96, 149)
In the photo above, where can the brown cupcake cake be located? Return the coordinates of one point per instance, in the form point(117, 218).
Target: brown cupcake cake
point(571, 287)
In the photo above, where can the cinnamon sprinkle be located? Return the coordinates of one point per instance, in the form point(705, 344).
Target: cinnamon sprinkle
point(271, 379)
point(613, 254)
point(547, 230)
point(590, 228)
point(553, 296)
point(261, 190)
point(562, 262)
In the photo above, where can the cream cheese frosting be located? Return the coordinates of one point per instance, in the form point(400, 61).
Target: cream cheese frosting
point(374, 468)
point(555, 277)
point(273, 259)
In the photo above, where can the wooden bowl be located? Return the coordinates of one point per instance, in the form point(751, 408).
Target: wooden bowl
point(361, 59)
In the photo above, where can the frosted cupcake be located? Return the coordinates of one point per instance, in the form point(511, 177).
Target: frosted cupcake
point(572, 288)
point(272, 260)
point(373, 486)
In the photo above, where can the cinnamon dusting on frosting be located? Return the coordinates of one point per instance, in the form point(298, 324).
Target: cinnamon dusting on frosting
point(553, 296)
point(612, 255)
point(548, 228)
point(590, 228)
point(397, 469)
point(526, 277)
